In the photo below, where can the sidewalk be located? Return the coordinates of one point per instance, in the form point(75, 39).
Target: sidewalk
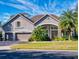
point(58, 52)
point(5, 48)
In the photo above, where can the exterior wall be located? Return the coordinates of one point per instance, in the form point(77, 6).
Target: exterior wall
point(11, 29)
point(26, 25)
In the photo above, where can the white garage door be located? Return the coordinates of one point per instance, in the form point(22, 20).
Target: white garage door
point(23, 36)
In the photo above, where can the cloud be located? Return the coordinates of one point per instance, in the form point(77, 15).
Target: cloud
point(17, 6)
point(28, 4)
point(4, 17)
point(73, 6)
point(20, 7)
point(35, 9)
point(32, 8)
point(23, 6)
point(2, 2)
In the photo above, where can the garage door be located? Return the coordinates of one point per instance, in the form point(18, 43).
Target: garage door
point(23, 36)
point(9, 36)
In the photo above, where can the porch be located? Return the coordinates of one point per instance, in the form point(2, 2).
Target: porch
point(53, 30)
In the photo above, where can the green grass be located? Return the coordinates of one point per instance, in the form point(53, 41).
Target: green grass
point(54, 45)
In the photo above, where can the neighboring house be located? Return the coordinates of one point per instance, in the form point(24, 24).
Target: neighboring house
point(20, 27)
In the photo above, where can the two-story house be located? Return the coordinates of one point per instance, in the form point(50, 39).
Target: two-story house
point(20, 27)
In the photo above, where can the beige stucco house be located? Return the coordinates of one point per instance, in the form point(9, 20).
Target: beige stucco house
point(20, 27)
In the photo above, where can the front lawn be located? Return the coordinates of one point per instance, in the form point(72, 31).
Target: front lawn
point(54, 45)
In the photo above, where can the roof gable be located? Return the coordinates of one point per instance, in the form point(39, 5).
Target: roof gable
point(38, 17)
point(15, 17)
point(44, 17)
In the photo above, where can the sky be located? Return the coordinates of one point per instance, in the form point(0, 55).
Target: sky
point(34, 7)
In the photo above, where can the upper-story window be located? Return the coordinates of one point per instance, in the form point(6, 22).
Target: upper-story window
point(48, 18)
point(18, 24)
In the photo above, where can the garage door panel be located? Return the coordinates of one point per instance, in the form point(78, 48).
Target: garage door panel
point(23, 37)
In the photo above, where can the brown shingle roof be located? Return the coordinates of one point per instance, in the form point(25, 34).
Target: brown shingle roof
point(38, 17)
point(54, 16)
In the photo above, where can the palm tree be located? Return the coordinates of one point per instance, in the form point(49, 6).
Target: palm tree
point(66, 22)
point(75, 16)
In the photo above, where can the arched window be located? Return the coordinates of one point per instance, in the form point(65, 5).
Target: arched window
point(18, 24)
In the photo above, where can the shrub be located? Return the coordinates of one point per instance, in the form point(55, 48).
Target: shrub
point(74, 38)
point(60, 39)
point(39, 34)
point(30, 39)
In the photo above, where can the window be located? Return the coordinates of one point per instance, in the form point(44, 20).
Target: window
point(48, 18)
point(54, 27)
point(18, 24)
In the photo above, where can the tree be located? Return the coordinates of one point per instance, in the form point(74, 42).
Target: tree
point(66, 22)
point(40, 34)
point(75, 17)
